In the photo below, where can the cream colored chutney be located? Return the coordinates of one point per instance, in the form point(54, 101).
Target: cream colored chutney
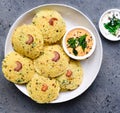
point(78, 33)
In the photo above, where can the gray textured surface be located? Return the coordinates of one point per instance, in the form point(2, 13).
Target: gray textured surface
point(104, 94)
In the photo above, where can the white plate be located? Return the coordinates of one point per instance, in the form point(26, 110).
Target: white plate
point(104, 19)
point(72, 17)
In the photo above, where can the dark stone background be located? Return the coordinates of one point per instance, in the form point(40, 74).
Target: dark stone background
point(104, 94)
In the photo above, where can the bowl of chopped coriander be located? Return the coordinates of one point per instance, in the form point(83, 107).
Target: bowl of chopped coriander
point(79, 43)
point(109, 24)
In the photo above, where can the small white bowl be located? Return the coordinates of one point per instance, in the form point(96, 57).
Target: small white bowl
point(79, 57)
point(105, 19)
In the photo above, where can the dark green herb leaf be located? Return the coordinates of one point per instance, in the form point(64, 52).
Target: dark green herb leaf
point(82, 41)
point(113, 25)
point(72, 42)
point(18, 81)
point(33, 23)
point(78, 41)
point(75, 52)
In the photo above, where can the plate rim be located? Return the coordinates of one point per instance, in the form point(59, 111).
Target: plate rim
point(75, 9)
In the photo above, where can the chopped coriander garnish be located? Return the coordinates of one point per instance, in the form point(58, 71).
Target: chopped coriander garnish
point(78, 41)
point(33, 23)
point(82, 41)
point(75, 52)
point(72, 42)
point(18, 81)
point(113, 25)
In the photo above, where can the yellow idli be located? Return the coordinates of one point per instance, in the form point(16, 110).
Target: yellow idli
point(72, 78)
point(52, 63)
point(43, 90)
point(51, 24)
point(28, 41)
point(17, 68)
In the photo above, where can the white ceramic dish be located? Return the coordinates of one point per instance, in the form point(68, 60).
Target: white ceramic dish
point(73, 17)
point(105, 19)
point(79, 57)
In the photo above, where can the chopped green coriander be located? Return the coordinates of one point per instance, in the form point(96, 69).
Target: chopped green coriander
point(82, 41)
point(72, 42)
point(78, 41)
point(75, 52)
point(113, 25)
